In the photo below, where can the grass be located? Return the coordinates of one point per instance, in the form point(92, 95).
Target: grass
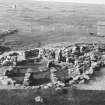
point(48, 23)
point(51, 97)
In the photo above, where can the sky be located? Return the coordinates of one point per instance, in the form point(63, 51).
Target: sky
point(79, 1)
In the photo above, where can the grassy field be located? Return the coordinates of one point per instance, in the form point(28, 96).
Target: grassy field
point(52, 97)
point(43, 23)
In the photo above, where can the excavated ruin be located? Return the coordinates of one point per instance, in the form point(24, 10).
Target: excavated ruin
point(47, 66)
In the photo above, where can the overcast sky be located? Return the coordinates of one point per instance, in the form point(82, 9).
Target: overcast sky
point(80, 1)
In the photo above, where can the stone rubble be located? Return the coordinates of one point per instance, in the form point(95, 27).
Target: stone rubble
point(75, 63)
point(39, 99)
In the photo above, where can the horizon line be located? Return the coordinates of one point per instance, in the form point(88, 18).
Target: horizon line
point(70, 1)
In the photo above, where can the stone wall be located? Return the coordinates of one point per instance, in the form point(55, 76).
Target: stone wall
point(71, 64)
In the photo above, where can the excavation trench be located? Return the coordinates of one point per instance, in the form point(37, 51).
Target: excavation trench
point(77, 64)
point(28, 75)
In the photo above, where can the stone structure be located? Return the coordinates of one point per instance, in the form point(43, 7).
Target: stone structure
point(68, 65)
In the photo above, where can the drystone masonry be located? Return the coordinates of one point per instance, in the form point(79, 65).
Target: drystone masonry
point(72, 64)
